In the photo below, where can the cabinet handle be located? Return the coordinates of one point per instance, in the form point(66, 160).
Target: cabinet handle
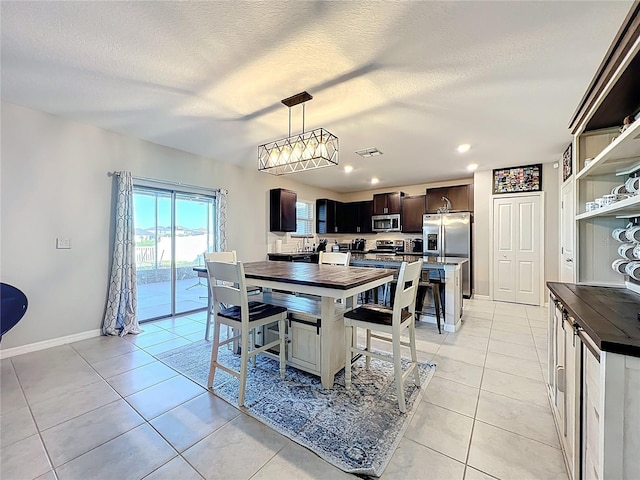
point(569, 260)
point(560, 378)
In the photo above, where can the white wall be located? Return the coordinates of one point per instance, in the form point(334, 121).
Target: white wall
point(483, 203)
point(54, 183)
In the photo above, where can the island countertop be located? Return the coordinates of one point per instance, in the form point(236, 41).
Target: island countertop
point(358, 259)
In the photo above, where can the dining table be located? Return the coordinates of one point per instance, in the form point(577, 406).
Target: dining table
point(336, 289)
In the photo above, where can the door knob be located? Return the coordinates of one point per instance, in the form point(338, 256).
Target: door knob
point(504, 256)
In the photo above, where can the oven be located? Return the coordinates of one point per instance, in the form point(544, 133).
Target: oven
point(386, 223)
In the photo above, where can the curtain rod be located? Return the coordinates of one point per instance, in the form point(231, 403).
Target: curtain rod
point(166, 182)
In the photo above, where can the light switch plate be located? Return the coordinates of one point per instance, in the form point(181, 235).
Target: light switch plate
point(63, 243)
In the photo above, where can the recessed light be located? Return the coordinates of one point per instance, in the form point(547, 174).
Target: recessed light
point(463, 148)
point(369, 152)
point(472, 166)
point(348, 168)
point(374, 180)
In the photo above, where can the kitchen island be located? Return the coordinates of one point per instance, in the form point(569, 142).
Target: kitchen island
point(448, 269)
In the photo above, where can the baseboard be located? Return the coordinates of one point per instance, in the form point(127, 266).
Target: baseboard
point(481, 297)
point(445, 326)
point(54, 342)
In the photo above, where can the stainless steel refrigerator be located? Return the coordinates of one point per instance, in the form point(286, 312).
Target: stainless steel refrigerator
point(449, 235)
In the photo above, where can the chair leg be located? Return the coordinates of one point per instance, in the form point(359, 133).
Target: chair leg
point(397, 371)
point(206, 332)
point(283, 352)
point(214, 354)
point(414, 354)
point(244, 360)
point(368, 361)
point(252, 344)
point(436, 301)
point(348, 340)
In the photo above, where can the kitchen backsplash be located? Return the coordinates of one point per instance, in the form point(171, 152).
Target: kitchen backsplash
point(291, 244)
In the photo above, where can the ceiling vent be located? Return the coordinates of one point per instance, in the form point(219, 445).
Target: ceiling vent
point(369, 152)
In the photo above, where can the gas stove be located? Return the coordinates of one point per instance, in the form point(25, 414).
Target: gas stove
point(388, 247)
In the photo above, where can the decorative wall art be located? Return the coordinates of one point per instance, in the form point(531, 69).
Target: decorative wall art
point(567, 163)
point(518, 179)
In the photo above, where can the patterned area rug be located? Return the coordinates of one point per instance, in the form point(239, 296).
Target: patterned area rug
point(356, 430)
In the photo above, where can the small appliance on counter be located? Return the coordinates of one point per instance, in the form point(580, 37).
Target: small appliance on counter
point(322, 245)
point(358, 244)
point(416, 245)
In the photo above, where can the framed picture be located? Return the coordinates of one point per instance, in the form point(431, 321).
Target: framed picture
point(518, 179)
point(567, 163)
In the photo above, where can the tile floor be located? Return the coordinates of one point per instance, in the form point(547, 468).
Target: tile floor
point(106, 408)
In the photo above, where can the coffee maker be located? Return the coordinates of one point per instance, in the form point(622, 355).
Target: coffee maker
point(416, 245)
point(358, 244)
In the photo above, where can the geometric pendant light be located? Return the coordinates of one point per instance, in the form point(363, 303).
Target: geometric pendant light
point(308, 150)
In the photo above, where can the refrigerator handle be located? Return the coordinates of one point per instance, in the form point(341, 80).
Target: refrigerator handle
point(442, 240)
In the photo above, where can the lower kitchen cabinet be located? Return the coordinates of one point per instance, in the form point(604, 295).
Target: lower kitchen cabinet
point(594, 379)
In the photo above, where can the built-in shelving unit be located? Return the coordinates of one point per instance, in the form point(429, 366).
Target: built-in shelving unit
point(620, 157)
point(613, 156)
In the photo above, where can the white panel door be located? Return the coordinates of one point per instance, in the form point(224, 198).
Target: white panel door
point(567, 229)
point(504, 251)
point(517, 247)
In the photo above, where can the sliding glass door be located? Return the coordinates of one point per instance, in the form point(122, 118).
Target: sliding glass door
point(173, 230)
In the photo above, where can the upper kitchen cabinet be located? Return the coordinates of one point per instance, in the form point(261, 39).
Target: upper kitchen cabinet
point(606, 157)
point(384, 203)
point(326, 216)
point(338, 217)
point(282, 210)
point(460, 196)
point(412, 210)
point(365, 211)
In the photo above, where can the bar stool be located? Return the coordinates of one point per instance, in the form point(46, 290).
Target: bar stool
point(425, 284)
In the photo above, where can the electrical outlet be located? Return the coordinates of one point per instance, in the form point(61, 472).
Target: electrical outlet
point(63, 243)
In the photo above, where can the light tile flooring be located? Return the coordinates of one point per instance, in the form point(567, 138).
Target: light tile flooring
point(106, 408)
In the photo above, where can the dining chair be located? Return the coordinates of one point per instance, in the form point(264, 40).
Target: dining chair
point(232, 308)
point(228, 257)
point(391, 321)
point(335, 258)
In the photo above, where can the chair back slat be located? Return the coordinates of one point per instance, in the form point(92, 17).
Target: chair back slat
point(227, 284)
point(335, 258)
point(407, 288)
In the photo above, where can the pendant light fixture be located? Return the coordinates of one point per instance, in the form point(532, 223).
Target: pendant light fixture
point(308, 150)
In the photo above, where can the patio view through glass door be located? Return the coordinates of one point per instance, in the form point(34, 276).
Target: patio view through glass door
point(172, 229)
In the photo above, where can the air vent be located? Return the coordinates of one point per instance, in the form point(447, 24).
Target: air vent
point(369, 152)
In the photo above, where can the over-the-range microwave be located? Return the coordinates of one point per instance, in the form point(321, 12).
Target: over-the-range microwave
point(386, 223)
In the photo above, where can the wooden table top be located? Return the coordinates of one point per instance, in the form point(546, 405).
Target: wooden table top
point(328, 276)
point(609, 315)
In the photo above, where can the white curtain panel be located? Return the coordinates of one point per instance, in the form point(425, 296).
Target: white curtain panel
point(120, 317)
point(221, 220)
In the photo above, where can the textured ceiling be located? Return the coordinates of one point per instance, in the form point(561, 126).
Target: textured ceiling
point(414, 79)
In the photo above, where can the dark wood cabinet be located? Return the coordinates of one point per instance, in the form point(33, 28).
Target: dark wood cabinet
point(460, 196)
point(365, 210)
point(384, 203)
point(412, 210)
point(326, 216)
point(282, 210)
point(338, 217)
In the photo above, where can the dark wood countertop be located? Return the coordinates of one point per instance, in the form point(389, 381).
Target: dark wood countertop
point(328, 276)
point(609, 315)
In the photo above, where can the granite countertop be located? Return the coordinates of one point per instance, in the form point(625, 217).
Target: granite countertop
point(293, 254)
point(365, 258)
point(609, 315)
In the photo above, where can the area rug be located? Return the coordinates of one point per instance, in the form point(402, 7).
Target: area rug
point(356, 430)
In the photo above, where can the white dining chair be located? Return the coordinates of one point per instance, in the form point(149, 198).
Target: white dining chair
point(335, 258)
point(228, 257)
point(232, 308)
point(391, 321)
